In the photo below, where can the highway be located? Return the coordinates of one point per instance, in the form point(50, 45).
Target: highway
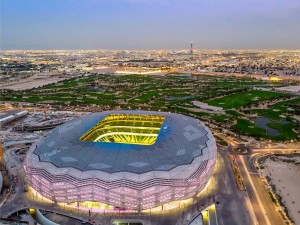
point(262, 204)
point(264, 208)
point(259, 204)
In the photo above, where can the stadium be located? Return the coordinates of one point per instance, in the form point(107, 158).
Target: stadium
point(131, 160)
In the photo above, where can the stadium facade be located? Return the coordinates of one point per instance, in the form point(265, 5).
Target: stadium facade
point(127, 159)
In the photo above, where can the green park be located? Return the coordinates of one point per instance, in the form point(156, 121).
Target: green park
point(243, 99)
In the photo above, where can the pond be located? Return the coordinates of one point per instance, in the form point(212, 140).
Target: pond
point(263, 122)
point(181, 75)
point(179, 98)
point(185, 75)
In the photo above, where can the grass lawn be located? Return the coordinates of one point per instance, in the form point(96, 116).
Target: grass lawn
point(246, 127)
point(242, 99)
point(113, 91)
point(285, 129)
point(233, 113)
point(219, 118)
point(98, 101)
point(268, 113)
point(275, 111)
point(144, 98)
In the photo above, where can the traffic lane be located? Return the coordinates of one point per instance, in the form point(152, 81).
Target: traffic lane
point(270, 207)
point(266, 200)
point(258, 214)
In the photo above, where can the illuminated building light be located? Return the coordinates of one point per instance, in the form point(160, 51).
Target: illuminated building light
point(32, 211)
point(126, 129)
point(38, 196)
point(102, 207)
point(275, 79)
point(129, 177)
point(92, 205)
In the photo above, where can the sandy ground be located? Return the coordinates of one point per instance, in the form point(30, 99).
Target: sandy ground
point(286, 177)
point(290, 88)
point(34, 81)
point(145, 74)
point(203, 110)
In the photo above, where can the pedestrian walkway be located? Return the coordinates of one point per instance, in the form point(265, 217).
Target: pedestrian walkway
point(40, 218)
point(1, 182)
point(206, 217)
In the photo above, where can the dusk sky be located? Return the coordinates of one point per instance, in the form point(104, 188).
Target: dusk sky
point(150, 24)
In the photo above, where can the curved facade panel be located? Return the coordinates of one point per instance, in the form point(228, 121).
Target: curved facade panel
point(128, 159)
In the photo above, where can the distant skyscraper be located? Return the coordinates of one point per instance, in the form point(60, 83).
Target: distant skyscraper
point(191, 50)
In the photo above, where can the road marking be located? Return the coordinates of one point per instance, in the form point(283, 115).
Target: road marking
point(273, 150)
point(255, 192)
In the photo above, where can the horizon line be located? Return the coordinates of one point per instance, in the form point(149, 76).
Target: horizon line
point(184, 49)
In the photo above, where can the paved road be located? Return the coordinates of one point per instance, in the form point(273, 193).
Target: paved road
point(232, 202)
point(224, 186)
point(264, 208)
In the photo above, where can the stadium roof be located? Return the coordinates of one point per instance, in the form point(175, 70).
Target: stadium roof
point(179, 141)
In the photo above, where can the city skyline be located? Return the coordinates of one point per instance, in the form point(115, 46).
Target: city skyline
point(160, 137)
point(149, 24)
